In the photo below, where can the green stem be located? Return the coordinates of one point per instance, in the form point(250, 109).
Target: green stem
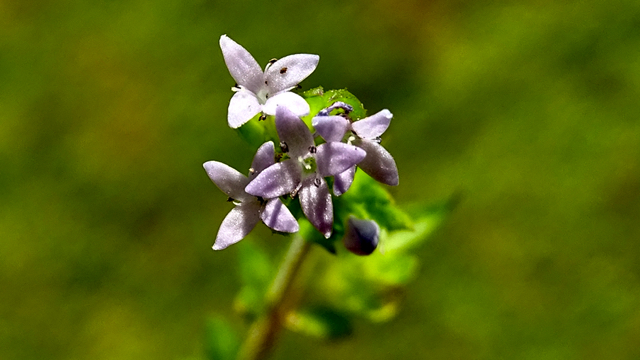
point(264, 330)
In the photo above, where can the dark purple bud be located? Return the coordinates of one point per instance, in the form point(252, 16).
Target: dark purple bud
point(336, 105)
point(361, 236)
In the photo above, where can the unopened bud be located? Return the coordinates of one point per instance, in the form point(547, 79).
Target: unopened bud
point(361, 236)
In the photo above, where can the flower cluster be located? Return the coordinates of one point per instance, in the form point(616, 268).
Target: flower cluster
point(305, 159)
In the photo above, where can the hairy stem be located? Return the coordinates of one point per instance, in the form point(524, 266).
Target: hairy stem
point(264, 330)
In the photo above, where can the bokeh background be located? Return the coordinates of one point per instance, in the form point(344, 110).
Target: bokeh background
point(528, 109)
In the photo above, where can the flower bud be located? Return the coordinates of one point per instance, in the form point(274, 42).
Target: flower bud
point(361, 236)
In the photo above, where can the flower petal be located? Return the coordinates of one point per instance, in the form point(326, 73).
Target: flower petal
point(243, 67)
point(265, 157)
point(243, 106)
point(331, 128)
point(378, 163)
point(276, 180)
point(237, 224)
point(317, 206)
point(333, 158)
point(293, 132)
point(294, 102)
point(342, 182)
point(374, 125)
point(227, 179)
point(289, 71)
point(278, 217)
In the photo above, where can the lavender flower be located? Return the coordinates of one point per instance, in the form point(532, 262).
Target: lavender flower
point(303, 173)
point(249, 209)
point(361, 236)
point(259, 91)
point(378, 163)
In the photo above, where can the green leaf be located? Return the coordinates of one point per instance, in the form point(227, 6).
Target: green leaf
point(315, 99)
point(253, 132)
point(320, 322)
point(319, 99)
point(368, 199)
point(428, 221)
point(343, 95)
point(390, 270)
point(256, 132)
point(372, 286)
point(221, 342)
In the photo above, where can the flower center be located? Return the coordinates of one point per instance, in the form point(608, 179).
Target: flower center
point(308, 165)
point(263, 95)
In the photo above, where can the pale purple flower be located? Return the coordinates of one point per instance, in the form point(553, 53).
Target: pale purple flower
point(303, 173)
point(249, 209)
point(361, 237)
point(378, 163)
point(259, 91)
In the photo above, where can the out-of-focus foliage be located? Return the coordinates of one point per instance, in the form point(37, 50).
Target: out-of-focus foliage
point(256, 274)
point(528, 109)
point(371, 286)
point(221, 342)
point(319, 322)
point(344, 286)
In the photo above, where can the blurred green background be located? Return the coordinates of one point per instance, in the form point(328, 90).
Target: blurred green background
point(528, 109)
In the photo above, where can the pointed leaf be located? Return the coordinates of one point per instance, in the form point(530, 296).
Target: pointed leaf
point(370, 200)
point(343, 95)
point(320, 322)
point(427, 221)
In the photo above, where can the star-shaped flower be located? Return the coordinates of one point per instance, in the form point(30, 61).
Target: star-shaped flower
point(303, 173)
point(378, 163)
point(259, 91)
point(249, 209)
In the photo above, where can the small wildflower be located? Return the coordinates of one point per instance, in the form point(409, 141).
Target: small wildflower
point(249, 209)
point(258, 91)
point(378, 163)
point(303, 173)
